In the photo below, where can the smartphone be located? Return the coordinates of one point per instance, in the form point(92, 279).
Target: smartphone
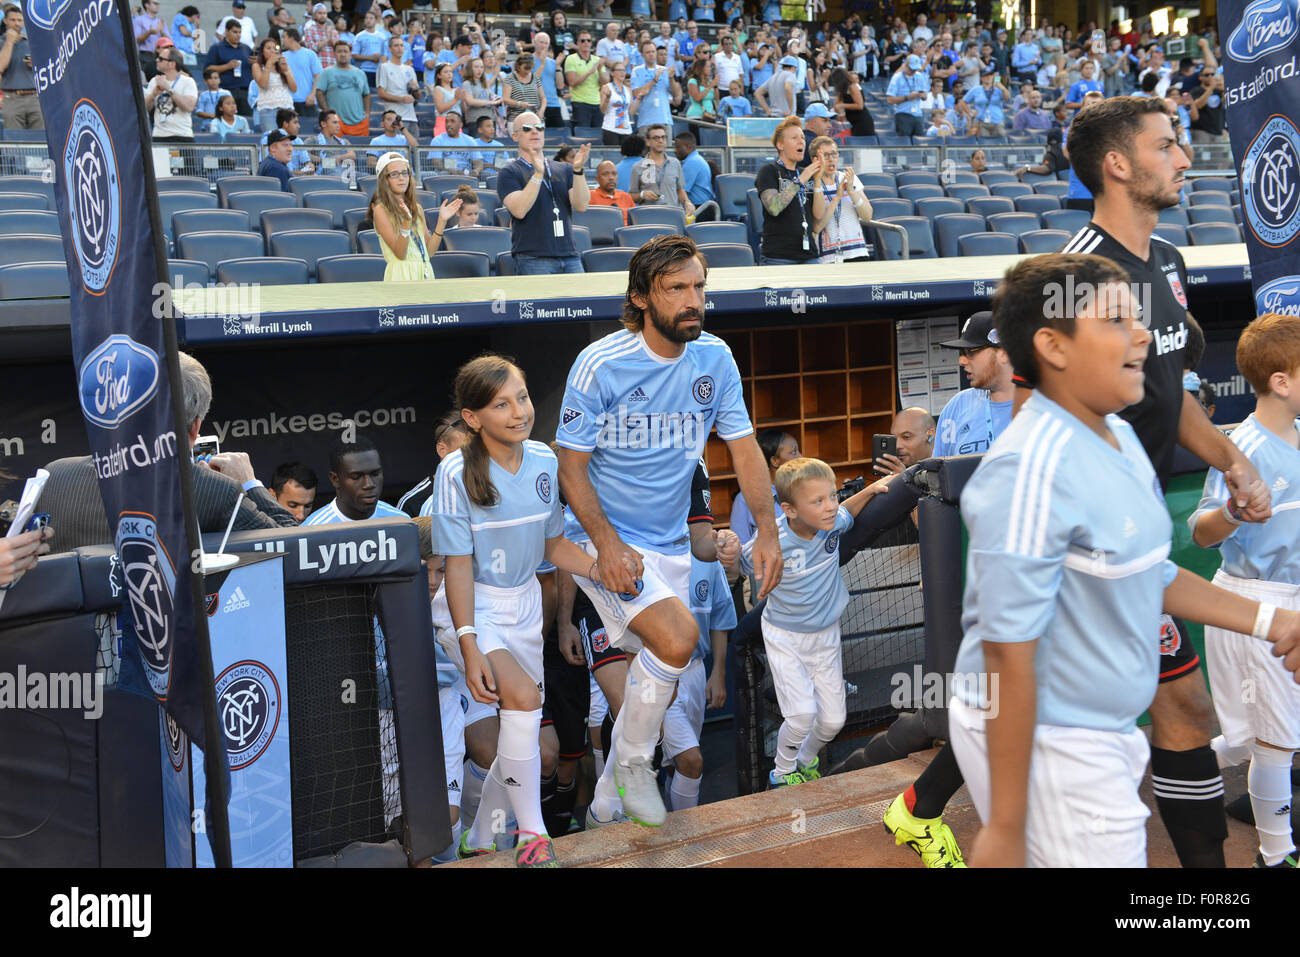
point(206, 446)
point(882, 445)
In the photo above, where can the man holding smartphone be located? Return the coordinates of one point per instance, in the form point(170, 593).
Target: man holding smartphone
point(21, 109)
point(974, 417)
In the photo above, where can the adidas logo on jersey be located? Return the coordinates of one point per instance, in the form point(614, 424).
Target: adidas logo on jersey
point(453, 786)
point(1130, 527)
point(511, 782)
point(638, 396)
point(236, 601)
point(1281, 485)
point(1284, 809)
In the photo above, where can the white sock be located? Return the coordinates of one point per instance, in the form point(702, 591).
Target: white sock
point(1269, 781)
point(519, 760)
point(823, 733)
point(1228, 756)
point(685, 792)
point(646, 696)
point(605, 802)
point(473, 792)
point(448, 854)
point(489, 825)
point(597, 754)
point(795, 730)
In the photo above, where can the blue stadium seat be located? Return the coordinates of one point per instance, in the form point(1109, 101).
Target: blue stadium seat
point(187, 272)
point(366, 185)
point(601, 221)
point(301, 186)
point(23, 201)
point(504, 219)
point(1211, 214)
point(466, 264)
point(1236, 214)
point(951, 227)
point(607, 259)
point(587, 132)
point(988, 244)
point(1173, 233)
point(169, 204)
point(916, 177)
point(991, 178)
point(183, 184)
point(229, 185)
point(635, 237)
point(1071, 220)
point(1173, 216)
point(489, 200)
point(1037, 179)
point(730, 189)
point(894, 139)
point(207, 220)
point(851, 141)
point(657, 216)
point(214, 246)
point(367, 241)
point(310, 245)
point(437, 182)
point(712, 136)
point(723, 255)
point(1053, 188)
point(965, 191)
point(991, 140)
point(960, 177)
point(915, 191)
point(1043, 240)
point(932, 206)
point(1014, 224)
point(350, 268)
point(1213, 234)
point(35, 280)
point(718, 233)
point(489, 240)
point(352, 220)
point(264, 270)
point(880, 192)
point(31, 249)
point(963, 141)
point(1219, 183)
point(989, 205)
point(754, 220)
point(282, 220)
point(1011, 191)
point(257, 203)
point(919, 236)
point(506, 264)
point(33, 221)
point(581, 239)
point(879, 179)
point(1037, 204)
point(885, 208)
point(336, 202)
point(28, 184)
point(1208, 197)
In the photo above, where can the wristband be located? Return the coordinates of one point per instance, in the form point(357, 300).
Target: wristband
point(1229, 514)
point(1263, 621)
point(464, 630)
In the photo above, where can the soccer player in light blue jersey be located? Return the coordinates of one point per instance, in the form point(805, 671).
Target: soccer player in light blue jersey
point(1067, 575)
point(637, 410)
point(1260, 561)
point(496, 516)
point(974, 417)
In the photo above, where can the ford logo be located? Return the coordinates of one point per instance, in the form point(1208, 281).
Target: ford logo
point(1281, 296)
point(117, 380)
point(1266, 25)
point(46, 13)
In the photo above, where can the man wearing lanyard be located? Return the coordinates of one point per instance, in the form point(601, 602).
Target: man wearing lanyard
point(787, 199)
point(541, 196)
point(974, 417)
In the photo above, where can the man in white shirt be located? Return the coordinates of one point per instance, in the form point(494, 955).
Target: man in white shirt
point(922, 32)
point(1155, 63)
point(727, 65)
point(397, 86)
point(171, 96)
point(248, 29)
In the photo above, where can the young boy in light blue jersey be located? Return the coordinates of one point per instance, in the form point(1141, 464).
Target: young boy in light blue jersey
point(801, 623)
point(1260, 561)
point(1067, 575)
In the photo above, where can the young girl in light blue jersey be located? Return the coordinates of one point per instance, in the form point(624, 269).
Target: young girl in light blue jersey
point(496, 516)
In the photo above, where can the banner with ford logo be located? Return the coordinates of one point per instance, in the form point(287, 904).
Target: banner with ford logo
point(1261, 51)
point(88, 78)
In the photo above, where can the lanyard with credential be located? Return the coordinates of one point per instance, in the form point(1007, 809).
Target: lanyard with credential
point(803, 210)
point(557, 225)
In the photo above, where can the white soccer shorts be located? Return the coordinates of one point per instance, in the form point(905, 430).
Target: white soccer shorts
point(664, 576)
point(507, 619)
point(453, 740)
point(807, 671)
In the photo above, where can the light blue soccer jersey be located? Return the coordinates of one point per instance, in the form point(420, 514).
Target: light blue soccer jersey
point(1069, 546)
point(1269, 551)
point(969, 423)
point(711, 604)
point(811, 594)
point(508, 540)
point(645, 420)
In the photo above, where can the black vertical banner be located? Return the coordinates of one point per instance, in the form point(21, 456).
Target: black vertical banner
point(128, 380)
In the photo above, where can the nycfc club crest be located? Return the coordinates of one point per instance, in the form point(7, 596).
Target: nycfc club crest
point(544, 487)
point(702, 591)
point(703, 389)
point(1270, 182)
point(248, 699)
point(94, 195)
point(150, 581)
point(832, 543)
point(177, 743)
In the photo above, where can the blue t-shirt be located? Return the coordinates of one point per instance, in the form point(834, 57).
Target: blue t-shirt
point(548, 82)
point(711, 604)
point(454, 159)
point(901, 85)
point(969, 423)
point(1263, 551)
point(625, 166)
point(183, 43)
point(1069, 546)
point(759, 74)
point(811, 595)
point(698, 177)
point(369, 44)
point(742, 519)
point(1078, 90)
point(986, 103)
point(273, 167)
point(415, 47)
point(305, 65)
point(1077, 190)
point(655, 104)
point(396, 140)
point(735, 106)
point(645, 420)
point(703, 14)
point(686, 47)
point(534, 235)
point(208, 100)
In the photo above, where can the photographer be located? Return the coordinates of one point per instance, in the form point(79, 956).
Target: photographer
point(275, 83)
point(395, 134)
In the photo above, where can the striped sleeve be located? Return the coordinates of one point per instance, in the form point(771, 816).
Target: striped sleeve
point(1248, 437)
point(451, 530)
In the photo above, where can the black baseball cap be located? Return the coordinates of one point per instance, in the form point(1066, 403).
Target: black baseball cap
point(276, 137)
point(977, 333)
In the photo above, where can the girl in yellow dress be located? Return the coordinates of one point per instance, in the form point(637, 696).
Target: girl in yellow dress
point(404, 236)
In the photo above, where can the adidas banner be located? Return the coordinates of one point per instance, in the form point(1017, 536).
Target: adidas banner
point(86, 72)
point(1261, 50)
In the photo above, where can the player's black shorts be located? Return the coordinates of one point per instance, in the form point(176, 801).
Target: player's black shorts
point(1178, 655)
point(567, 701)
point(595, 641)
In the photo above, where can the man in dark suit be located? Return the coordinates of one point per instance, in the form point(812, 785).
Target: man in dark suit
point(77, 509)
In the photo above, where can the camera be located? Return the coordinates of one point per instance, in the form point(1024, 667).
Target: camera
point(8, 511)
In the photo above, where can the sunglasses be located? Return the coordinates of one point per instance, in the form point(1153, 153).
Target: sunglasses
point(533, 127)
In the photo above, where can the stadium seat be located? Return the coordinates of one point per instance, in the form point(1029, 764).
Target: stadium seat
point(587, 133)
point(183, 184)
point(1053, 188)
point(169, 204)
point(1208, 197)
point(932, 206)
point(601, 221)
point(1213, 234)
point(1173, 233)
point(352, 220)
point(227, 186)
point(607, 259)
point(885, 208)
point(915, 177)
point(919, 236)
point(915, 191)
point(504, 219)
point(991, 178)
point(352, 268)
point(880, 192)
point(29, 184)
point(851, 141)
point(1014, 224)
point(264, 270)
point(35, 280)
point(1043, 240)
point(257, 203)
point(961, 177)
point(489, 200)
point(23, 201)
point(207, 220)
point(731, 189)
point(1211, 214)
point(187, 272)
point(213, 247)
point(437, 182)
point(1071, 220)
point(989, 205)
point(723, 255)
point(460, 265)
point(489, 240)
point(1011, 191)
point(988, 244)
point(1036, 204)
point(366, 185)
point(33, 221)
point(1037, 179)
point(950, 227)
point(754, 220)
point(309, 245)
point(367, 242)
point(637, 236)
point(879, 179)
point(283, 220)
point(962, 140)
point(300, 186)
point(336, 202)
point(506, 264)
point(718, 233)
point(1173, 216)
point(965, 191)
point(1222, 184)
point(31, 249)
point(581, 239)
point(894, 139)
point(1236, 214)
point(657, 216)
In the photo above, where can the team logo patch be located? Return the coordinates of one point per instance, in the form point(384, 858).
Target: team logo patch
point(599, 641)
point(1266, 25)
point(544, 487)
point(570, 419)
point(117, 380)
point(1170, 639)
point(212, 603)
point(177, 743)
point(150, 582)
point(703, 389)
point(1176, 285)
point(993, 336)
point(94, 195)
point(464, 704)
point(1270, 182)
point(832, 543)
point(248, 699)
point(702, 591)
point(1280, 296)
